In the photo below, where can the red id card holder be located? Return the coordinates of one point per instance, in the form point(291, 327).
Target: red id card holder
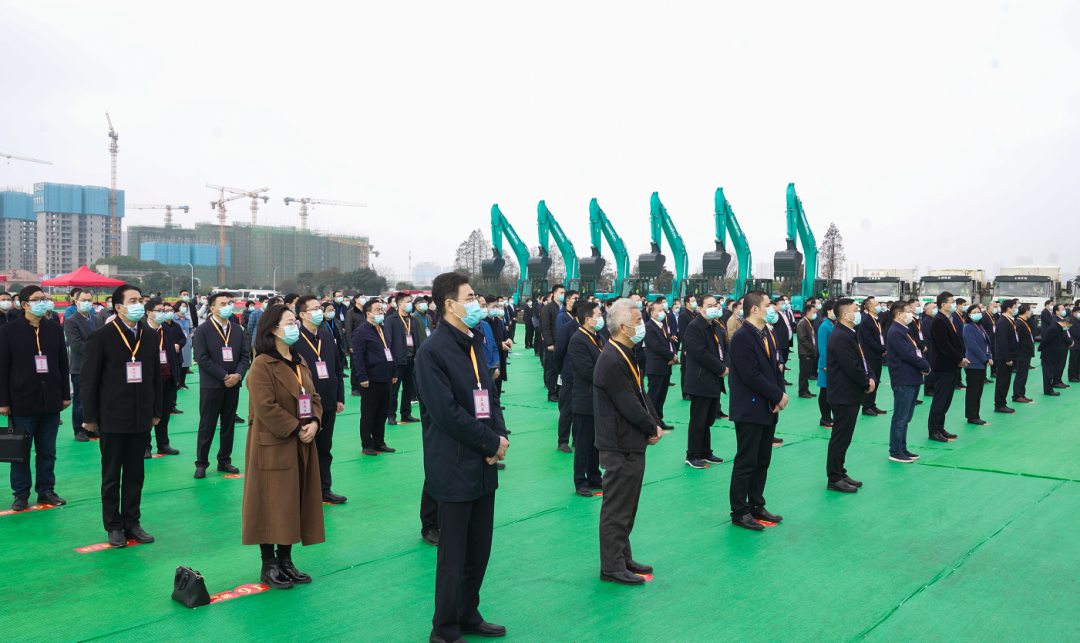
point(320, 369)
point(481, 404)
point(305, 407)
point(42, 363)
point(134, 372)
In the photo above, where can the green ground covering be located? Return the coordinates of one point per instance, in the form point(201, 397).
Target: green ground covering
point(975, 542)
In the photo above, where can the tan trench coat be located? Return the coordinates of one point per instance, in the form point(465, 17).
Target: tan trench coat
point(282, 489)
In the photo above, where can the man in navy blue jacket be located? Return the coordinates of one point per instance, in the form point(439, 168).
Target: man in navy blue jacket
point(686, 315)
point(757, 397)
point(1006, 352)
point(848, 379)
point(1052, 350)
point(373, 360)
point(945, 364)
point(464, 437)
point(566, 390)
point(907, 366)
point(659, 356)
point(706, 350)
point(872, 342)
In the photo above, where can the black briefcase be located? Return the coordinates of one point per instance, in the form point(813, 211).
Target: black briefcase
point(189, 588)
point(14, 444)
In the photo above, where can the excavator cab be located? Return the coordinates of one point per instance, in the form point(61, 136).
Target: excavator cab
point(764, 285)
point(639, 287)
point(695, 287)
point(827, 289)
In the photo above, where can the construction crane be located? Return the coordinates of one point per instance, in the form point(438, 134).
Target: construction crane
point(24, 158)
point(167, 208)
point(254, 194)
point(714, 264)
point(114, 231)
point(547, 225)
point(304, 204)
point(593, 267)
point(492, 268)
point(220, 205)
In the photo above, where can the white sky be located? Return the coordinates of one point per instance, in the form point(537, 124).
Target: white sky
point(934, 133)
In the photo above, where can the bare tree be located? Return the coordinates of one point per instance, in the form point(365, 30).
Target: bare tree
point(471, 252)
point(832, 253)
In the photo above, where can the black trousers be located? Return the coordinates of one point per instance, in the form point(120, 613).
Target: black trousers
point(586, 455)
point(122, 474)
point(215, 403)
point(1001, 384)
point(1074, 365)
point(528, 335)
point(429, 511)
point(566, 415)
point(844, 418)
point(1022, 368)
point(682, 374)
point(623, 474)
point(976, 380)
point(699, 435)
point(1059, 370)
point(807, 372)
point(354, 376)
point(404, 385)
point(551, 376)
point(930, 380)
point(944, 389)
point(168, 403)
point(324, 442)
point(1048, 375)
point(751, 467)
point(374, 403)
point(657, 388)
point(823, 405)
point(870, 399)
point(464, 549)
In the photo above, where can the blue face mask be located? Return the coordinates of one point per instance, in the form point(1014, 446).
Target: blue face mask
point(292, 333)
point(498, 312)
point(317, 317)
point(976, 317)
point(857, 319)
point(639, 333)
point(473, 314)
point(638, 304)
point(712, 313)
point(339, 299)
point(408, 307)
point(740, 313)
point(161, 318)
point(378, 320)
point(483, 313)
point(599, 323)
point(39, 308)
point(813, 316)
point(783, 306)
point(85, 306)
point(226, 311)
point(135, 312)
point(918, 310)
point(693, 305)
point(772, 316)
point(659, 315)
point(421, 307)
point(666, 305)
point(560, 298)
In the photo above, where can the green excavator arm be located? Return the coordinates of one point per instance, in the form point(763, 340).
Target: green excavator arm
point(789, 263)
point(599, 228)
point(715, 264)
point(492, 268)
point(547, 226)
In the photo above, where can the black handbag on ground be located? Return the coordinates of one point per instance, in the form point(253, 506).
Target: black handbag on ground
point(189, 588)
point(14, 444)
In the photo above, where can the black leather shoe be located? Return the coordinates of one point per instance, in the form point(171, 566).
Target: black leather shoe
point(1054, 393)
point(356, 392)
point(777, 441)
point(391, 420)
point(409, 418)
point(382, 448)
point(333, 498)
point(746, 521)
point(553, 398)
point(638, 568)
point(500, 466)
point(176, 411)
point(584, 492)
point(148, 454)
point(951, 436)
point(805, 396)
point(842, 486)
point(625, 577)
point(274, 577)
point(50, 498)
point(290, 570)
point(1004, 409)
point(869, 412)
point(787, 383)
point(827, 425)
point(989, 381)
point(762, 514)
point(167, 450)
point(137, 534)
point(1023, 400)
point(918, 402)
point(20, 503)
point(200, 472)
point(430, 536)
point(227, 468)
point(117, 540)
point(565, 448)
point(82, 437)
point(937, 437)
point(879, 411)
point(979, 422)
point(484, 629)
point(1061, 385)
point(851, 481)
point(369, 451)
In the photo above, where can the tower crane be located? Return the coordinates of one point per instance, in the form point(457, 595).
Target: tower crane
point(24, 158)
point(114, 231)
point(254, 194)
point(168, 210)
point(220, 205)
point(305, 201)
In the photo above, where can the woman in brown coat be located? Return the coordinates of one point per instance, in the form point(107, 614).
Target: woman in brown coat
point(282, 489)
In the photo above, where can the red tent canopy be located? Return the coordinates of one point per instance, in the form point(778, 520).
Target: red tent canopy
point(82, 277)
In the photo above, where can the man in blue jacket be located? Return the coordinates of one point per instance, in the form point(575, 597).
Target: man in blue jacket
point(373, 360)
point(907, 366)
point(464, 437)
point(757, 397)
point(824, 331)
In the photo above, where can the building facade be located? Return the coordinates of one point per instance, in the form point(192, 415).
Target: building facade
point(18, 232)
point(72, 225)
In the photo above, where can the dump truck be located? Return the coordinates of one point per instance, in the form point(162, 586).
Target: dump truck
point(883, 284)
point(959, 282)
point(1031, 285)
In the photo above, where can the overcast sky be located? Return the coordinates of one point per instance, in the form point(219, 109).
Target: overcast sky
point(941, 134)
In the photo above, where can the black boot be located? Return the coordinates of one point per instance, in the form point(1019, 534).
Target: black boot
point(273, 575)
point(297, 576)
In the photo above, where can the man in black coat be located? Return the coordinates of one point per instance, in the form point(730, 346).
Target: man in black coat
point(547, 334)
point(1027, 353)
point(626, 423)
point(8, 311)
point(34, 389)
point(316, 346)
point(464, 437)
point(1006, 353)
point(221, 350)
point(989, 324)
point(848, 378)
point(1046, 316)
point(786, 325)
point(169, 339)
point(1052, 350)
point(582, 352)
point(920, 329)
point(121, 393)
point(806, 335)
point(706, 348)
point(404, 339)
point(1061, 313)
point(945, 364)
point(659, 356)
point(373, 359)
point(686, 315)
point(567, 429)
point(872, 341)
point(757, 397)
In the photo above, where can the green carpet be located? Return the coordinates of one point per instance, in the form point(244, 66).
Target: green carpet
point(962, 549)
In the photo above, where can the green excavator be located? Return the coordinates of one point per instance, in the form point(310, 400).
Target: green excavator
point(547, 226)
point(593, 266)
point(715, 264)
point(651, 264)
point(788, 264)
point(492, 268)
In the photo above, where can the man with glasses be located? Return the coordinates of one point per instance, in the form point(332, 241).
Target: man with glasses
point(221, 351)
point(77, 329)
point(34, 389)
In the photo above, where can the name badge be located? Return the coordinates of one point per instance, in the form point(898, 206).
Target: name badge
point(305, 407)
point(920, 334)
point(882, 337)
point(134, 372)
point(42, 363)
point(226, 353)
point(162, 357)
point(481, 404)
point(389, 357)
point(918, 352)
point(720, 349)
point(320, 368)
point(408, 340)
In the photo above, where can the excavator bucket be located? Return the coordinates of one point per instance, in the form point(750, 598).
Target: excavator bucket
point(539, 266)
point(788, 264)
point(591, 267)
point(651, 264)
point(714, 264)
point(492, 268)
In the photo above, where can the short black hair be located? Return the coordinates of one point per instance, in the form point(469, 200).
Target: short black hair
point(1023, 308)
point(118, 294)
point(898, 307)
point(1007, 304)
point(75, 292)
point(556, 288)
point(585, 310)
point(446, 286)
point(704, 297)
point(212, 299)
point(184, 290)
point(808, 307)
point(827, 306)
point(301, 303)
point(754, 298)
point(369, 303)
point(153, 303)
point(843, 304)
point(401, 295)
point(264, 341)
point(24, 294)
point(290, 298)
point(960, 301)
point(943, 297)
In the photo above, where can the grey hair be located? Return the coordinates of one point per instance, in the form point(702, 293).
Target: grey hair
point(624, 312)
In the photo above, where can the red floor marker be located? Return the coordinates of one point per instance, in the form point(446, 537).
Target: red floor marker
point(8, 512)
point(157, 455)
point(243, 590)
point(101, 546)
point(766, 523)
point(647, 577)
point(233, 475)
point(598, 493)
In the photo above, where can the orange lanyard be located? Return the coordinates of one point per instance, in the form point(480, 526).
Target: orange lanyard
point(37, 336)
point(299, 379)
point(633, 368)
point(224, 336)
point(408, 324)
point(378, 329)
point(161, 338)
point(591, 338)
point(318, 351)
point(123, 336)
point(476, 370)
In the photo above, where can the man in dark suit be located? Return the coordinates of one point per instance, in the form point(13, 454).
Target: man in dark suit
point(121, 393)
point(1046, 316)
point(377, 372)
point(849, 378)
point(757, 397)
point(920, 328)
point(464, 438)
point(77, 329)
point(685, 316)
point(1006, 353)
point(1026, 354)
point(989, 324)
point(782, 329)
point(547, 333)
point(806, 334)
point(316, 346)
point(659, 356)
point(221, 350)
point(567, 429)
point(1061, 313)
point(8, 311)
point(907, 367)
point(1074, 352)
point(1052, 350)
point(169, 339)
point(787, 320)
point(872, 341)
point(945, 364)
point(706, 349)
point(582, 352)
point(404, 340)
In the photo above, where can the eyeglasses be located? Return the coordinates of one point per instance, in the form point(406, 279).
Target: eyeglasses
point(468, 300)
point(44, 298)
